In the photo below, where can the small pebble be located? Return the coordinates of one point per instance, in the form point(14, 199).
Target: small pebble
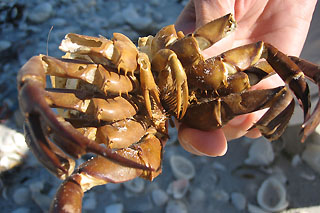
point(40, 13)
point(219, 166)
point(21, 210)
point(43, 201)
point(133, 18)
point(197, 195)
point(21, 195)
point(114, 208)
point(136, 185)
point(36, 187)
point(159, 197)
point(4, 45)
point(221, 195)
point(90, 203)
point(296, 160)
point(176, 206)
point(238, 200)
point(113, 186)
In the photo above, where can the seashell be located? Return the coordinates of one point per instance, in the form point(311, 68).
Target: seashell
point(178, 188)
point(272, 195)
point(182, 168)
point(136, 185)
point(255, 209)
point(260, 153)
point(159, 197)
point(311, 155)
point(114, 208)
point(308, 176)
point(238, 200)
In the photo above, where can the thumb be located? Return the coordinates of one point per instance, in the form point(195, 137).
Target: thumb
point(209, 10)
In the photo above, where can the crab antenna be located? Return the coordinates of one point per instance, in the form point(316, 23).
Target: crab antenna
point(48, 39)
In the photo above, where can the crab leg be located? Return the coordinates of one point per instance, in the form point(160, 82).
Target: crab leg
point(312, 71)
point(69, 139)
point(99, 171)
point(217, 112)
point(106, 109)
point(105, 78)
point(273, 123)
point(243, 57)
point(121, 51)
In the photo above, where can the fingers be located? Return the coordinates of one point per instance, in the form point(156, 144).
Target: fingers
point(187, 19)
point(208, 143)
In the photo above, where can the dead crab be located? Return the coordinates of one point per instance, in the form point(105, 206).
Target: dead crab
point(114, 99)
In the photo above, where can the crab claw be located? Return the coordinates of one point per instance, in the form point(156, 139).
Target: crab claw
point(214, 31)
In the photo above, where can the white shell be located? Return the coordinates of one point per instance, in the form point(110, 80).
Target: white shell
point(159, 197)
point(182, 168)
point(311, 155)
point(178, 188)
point(238, 200)
point(260, 153)
point(272, 195)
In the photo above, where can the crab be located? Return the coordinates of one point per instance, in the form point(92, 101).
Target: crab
point(114, 99)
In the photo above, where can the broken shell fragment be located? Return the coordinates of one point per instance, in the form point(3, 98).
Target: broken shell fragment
point(260, 153)
point(182, 168)
point(272, 195)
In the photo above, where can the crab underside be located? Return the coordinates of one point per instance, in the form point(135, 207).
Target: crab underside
point(114, 99)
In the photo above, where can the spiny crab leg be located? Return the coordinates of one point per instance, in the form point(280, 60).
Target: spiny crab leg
point(120, 51)
point(99, 171)
point(103, 77)
point(32, 84)
point(167, 61)
point(312, 71)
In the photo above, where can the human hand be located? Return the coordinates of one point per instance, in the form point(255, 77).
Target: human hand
point(282, 23)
